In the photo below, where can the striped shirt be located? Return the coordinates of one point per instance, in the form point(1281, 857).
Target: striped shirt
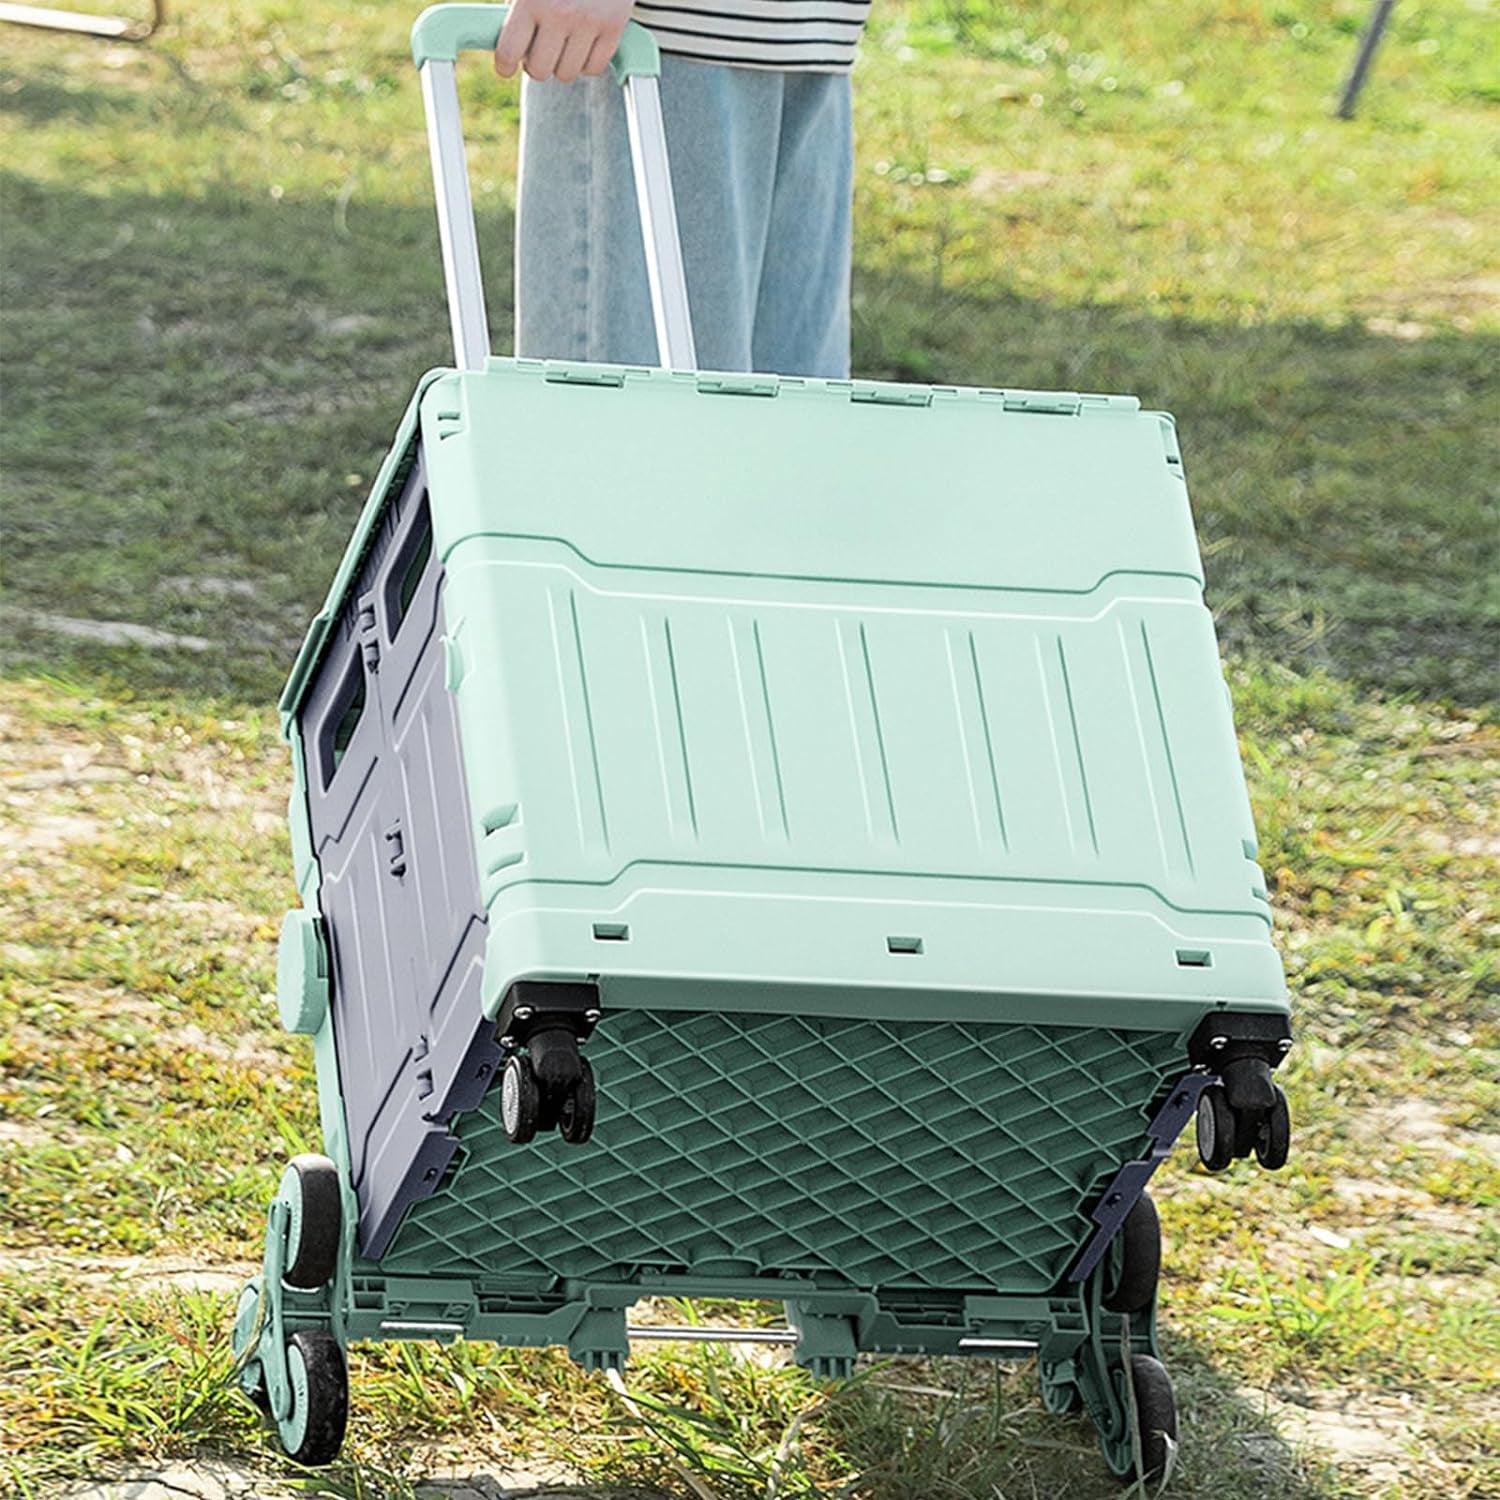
point(807, 36)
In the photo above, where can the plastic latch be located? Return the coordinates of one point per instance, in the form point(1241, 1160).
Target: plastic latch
point(453, 663)
point(302, 972)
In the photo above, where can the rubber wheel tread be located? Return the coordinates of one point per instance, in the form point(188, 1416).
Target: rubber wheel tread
point(1138, 1258)
point(327, 1397)
point(1274, 1140)
point(1156, 1415)
point(1215, 1129)
point(577, 1114)
point(1246, 1134)
point(320, 1223)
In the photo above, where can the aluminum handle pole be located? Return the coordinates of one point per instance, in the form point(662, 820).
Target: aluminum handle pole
point(460, 243)
point(653, 190)
point(455, 208)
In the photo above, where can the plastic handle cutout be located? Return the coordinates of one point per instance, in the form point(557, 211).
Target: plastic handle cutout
point(441, 32)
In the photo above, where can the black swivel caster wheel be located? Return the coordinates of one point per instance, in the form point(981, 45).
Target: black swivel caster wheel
point(310, 1190)
point(1273, 1139)
point(576, 1118)
point(1133, 1265)
point(313, 1431)
point(1246, 1132)
point(520, 1101)
point(1156, 1416)
point(1216, 1129)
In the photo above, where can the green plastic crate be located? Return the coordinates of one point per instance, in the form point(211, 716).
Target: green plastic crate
point(864, 750)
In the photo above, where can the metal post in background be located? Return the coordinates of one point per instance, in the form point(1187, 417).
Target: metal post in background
point(1367, 45)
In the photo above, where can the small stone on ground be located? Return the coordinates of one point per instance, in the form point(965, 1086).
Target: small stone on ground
point(203, 1480)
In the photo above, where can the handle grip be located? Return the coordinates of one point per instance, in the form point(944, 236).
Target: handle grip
point(440, 33)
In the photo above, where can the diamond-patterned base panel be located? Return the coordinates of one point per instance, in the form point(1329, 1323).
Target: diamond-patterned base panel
point(944, 1155)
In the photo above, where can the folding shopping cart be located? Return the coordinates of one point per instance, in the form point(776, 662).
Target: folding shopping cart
point(791, 846)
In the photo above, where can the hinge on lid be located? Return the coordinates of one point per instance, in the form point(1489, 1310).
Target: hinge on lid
point(891, 395)
point(565, 374)
point(396, 855)
point(419, 1052)
point(1052, 403)
point(739, 385)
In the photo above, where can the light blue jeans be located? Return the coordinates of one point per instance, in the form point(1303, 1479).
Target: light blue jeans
point(762, 169)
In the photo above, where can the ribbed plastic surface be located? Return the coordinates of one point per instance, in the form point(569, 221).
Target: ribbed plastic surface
point(810, 637)
point(946, 1156)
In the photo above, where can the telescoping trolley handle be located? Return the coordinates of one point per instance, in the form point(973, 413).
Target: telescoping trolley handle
point(439, 35)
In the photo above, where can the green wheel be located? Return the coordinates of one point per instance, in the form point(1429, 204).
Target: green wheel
point(1059, 1397)
point(251, 1378)
point(313, 1431)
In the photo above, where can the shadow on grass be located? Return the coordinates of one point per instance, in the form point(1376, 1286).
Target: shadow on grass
point(37, 100)
point(910, 1431)
point(957, 1430)
point(992, 1437)
point(200, 390)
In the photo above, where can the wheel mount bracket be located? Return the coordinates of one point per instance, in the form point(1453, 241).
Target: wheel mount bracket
point(1130, 1181)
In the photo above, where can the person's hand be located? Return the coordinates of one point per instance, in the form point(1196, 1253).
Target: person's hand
point(560, 39)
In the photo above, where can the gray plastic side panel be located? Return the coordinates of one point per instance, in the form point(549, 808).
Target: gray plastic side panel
point(399, 880)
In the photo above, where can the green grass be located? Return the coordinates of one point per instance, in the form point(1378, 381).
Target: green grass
point(219, 284)
point(147, 1097)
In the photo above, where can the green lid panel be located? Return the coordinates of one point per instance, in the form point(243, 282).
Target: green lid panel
point(665, 470)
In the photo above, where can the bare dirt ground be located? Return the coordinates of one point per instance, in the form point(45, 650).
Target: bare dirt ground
point(207, 1480)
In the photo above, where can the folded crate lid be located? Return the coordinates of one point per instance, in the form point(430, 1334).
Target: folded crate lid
point(760, 476)
point(926, 484)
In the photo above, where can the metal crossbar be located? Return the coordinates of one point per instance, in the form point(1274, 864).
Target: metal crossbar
point(117, 28)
